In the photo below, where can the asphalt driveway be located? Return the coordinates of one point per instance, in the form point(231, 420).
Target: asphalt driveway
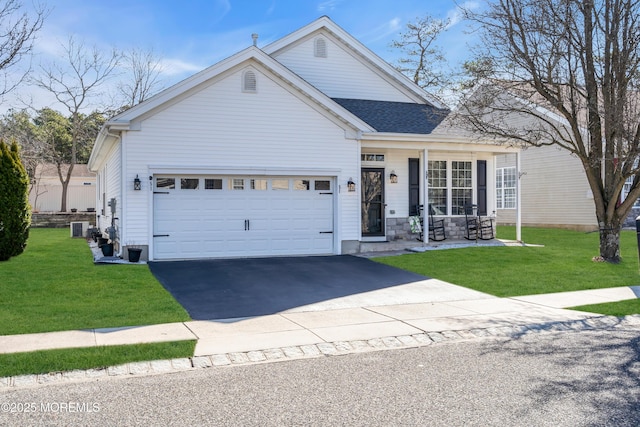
point(247, 287)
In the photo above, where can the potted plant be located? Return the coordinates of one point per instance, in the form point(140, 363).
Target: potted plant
point(107, 249)
point(134, 252)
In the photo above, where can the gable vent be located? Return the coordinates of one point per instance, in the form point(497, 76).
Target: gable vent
point(320, 48)
point(249, 81)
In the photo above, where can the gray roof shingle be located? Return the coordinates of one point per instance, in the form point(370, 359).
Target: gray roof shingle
point(395, 117)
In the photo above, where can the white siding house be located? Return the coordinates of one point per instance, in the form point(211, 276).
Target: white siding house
point(555, 191)
point(284, 150)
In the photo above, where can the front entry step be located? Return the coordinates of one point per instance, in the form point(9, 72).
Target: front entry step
point(397, 245)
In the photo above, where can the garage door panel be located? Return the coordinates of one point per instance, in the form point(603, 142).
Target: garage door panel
point(190, 246)
point(222, 222)
point(302, 224)
point(323, 224)
point(164, 248)
point(190, 224)
point(280, 225)
point(210, 222)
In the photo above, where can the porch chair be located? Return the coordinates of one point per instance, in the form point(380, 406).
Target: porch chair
point(477, 227)
point(437, 231)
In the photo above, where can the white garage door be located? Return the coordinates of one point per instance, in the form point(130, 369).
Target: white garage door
point(231, 216)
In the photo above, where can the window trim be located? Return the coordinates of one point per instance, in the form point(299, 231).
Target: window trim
point(470, 188)
point(500, 186)
point(449, 179)
point(446, 183)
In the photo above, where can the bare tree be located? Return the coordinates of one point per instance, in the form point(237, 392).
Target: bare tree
point(17, 125)
point(579, 61)
point(17, 33)
point(141, 78)
point(76, 83)
point(423, 58)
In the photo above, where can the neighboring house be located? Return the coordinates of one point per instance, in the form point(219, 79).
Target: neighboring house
point(45, 194)
point(555, 191)
point(553, 184)
point(309, 145)
point(554, 188)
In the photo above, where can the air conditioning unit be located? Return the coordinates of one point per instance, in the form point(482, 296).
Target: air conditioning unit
point(79, 229)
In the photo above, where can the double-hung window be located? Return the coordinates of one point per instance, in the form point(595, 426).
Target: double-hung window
point(450, 184)
point(506, 188)
point(461, 186)
point(438, 186)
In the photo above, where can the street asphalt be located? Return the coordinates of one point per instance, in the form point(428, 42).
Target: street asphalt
point(568, 378)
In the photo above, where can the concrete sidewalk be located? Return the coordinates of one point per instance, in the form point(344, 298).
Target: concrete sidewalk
point(307, 326)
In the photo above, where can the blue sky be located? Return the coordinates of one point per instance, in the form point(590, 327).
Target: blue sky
point(190, 35)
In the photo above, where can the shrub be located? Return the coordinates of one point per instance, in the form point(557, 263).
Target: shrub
point(15, 212)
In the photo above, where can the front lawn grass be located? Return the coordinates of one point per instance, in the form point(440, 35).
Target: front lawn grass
point(619, 308)
point(40, 362)
point(563, 264)
point(54, 285)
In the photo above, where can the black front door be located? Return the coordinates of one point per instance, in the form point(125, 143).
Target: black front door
point(372, 202)
point(414, 186)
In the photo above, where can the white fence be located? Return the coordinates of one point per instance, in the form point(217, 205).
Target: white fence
point(80, 195)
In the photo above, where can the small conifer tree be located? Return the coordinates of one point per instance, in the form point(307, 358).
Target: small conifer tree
point(15, 212)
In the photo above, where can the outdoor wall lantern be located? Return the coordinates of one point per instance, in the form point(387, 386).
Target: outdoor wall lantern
point(137, 185)
point(351, 186)
point(393, 177)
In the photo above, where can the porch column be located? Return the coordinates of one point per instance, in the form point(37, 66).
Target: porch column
point(518, 200)
point(425, 198)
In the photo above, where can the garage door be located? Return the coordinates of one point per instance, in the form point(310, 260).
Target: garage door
point(231, 216)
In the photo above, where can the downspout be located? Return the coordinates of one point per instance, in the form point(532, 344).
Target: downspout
point(518, 199)
point(123, 202)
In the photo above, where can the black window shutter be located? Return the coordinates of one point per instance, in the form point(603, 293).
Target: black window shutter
point(482, 187)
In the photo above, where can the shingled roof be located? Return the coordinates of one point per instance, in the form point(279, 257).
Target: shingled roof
point(395, 117)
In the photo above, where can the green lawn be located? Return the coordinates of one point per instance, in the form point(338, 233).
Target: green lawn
point(39, 362)
point(563, 264)
point(619, 308)
point(55, 286)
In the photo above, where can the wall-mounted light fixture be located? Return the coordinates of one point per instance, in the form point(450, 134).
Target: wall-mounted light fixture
point(137, 185)
point(393, 177)
point(351, 186)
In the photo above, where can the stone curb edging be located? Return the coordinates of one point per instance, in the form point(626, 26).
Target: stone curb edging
point(337, 348)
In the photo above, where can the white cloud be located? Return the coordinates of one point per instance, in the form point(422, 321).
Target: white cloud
point(383, 31)
point(455, 15)
point(271, 8)
point(328, 5)
point(176, 67)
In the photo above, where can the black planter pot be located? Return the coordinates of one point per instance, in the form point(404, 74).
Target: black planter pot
point(107, 249)
point(134, 254)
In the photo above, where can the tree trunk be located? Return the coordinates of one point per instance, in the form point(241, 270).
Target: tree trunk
point(65, 185)
point(610, 243)
point(63, 207)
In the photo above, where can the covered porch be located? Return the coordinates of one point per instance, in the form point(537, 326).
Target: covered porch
point(400, 173)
